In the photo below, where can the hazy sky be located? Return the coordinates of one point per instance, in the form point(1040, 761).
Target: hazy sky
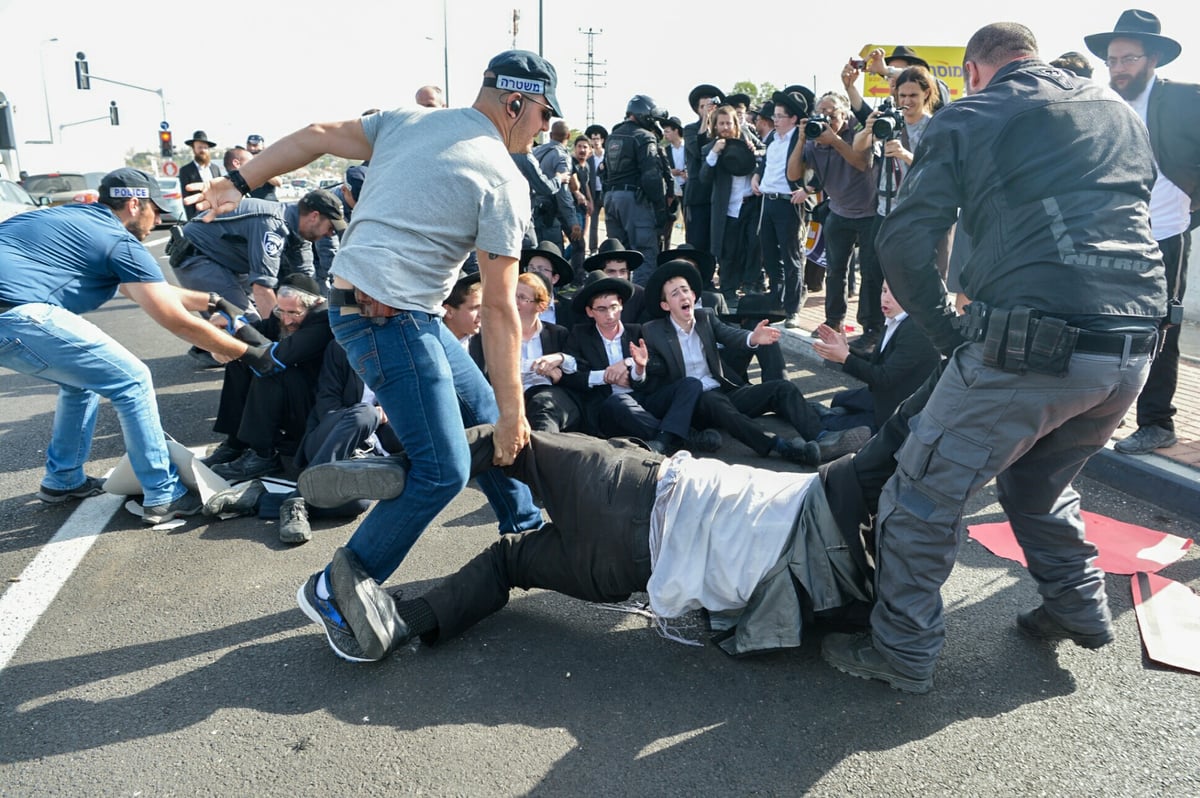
point(270, 66)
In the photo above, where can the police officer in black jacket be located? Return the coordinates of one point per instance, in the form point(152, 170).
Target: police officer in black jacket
point(635, 201)
point(1067, 285)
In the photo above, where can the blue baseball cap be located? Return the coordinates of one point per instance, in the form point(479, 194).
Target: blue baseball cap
point(526, 72)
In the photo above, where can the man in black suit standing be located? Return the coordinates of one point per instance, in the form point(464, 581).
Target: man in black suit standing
point(685, 344)
point(200, 168)
point(611, 371)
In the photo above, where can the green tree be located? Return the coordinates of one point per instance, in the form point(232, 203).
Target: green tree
point(758, 93)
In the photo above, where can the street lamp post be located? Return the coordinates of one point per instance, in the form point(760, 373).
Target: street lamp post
point(45, 92)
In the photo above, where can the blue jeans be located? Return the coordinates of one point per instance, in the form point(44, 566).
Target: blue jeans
point(431, 390)
point(50, 343)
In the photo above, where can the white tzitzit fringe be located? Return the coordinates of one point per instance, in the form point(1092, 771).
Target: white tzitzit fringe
point(664, 629)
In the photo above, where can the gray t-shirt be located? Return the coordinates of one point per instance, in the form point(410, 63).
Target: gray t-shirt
point(442, 184)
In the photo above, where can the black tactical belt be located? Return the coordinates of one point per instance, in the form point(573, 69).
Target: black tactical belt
point(342, 297)
point(623, 188)
point(1114, 343)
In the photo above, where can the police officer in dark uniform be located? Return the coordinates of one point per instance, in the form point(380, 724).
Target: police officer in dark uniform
point(241, 255)
point(1052, 351)
point(635, 196)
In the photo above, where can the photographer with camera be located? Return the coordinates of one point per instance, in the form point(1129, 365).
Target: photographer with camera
point(827, 138)
point(889, 139)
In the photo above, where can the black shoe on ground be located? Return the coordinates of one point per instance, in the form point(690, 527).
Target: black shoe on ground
point(704, 440)
point(187, 504)
point(798, 450)
point(222, 454)
point(204, 358)
point(239, 500)
point(92, 486)
point(334, 484)
point(293, 522)
point(250, 465)
point(369, 610)
point(324, 613)
point(835, 444)
point(1146, 439)
point(865, 344)
point(1038, 623)
point(856, 655)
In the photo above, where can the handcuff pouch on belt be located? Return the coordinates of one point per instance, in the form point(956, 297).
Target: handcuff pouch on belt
point(1020, 340)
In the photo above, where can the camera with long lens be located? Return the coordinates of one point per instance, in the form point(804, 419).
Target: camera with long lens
point(815, 125)
point(888, 123)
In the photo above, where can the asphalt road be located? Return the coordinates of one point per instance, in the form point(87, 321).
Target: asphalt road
point(177, 663)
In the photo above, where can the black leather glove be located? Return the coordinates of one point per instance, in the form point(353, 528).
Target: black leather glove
point(261, 360)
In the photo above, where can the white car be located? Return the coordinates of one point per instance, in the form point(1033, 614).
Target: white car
point(173, 194)
point(14, 200)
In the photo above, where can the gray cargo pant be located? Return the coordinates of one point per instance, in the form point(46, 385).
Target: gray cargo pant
point(1033, 432)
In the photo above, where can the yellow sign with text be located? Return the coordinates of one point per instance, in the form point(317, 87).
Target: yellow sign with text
point(944, 62)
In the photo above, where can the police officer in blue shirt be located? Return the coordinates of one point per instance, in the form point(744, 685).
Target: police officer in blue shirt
point(64, 261)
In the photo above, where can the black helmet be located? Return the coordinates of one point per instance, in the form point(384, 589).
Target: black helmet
point(647, 113)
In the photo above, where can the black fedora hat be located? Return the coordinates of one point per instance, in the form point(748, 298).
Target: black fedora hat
point(737, 158)
point(905, 53)
point(740, 98)
point(596, 283)
point(756, 307)
point(766, 111)
point(1135, 24)
point(613, 249)
point(701, 258)
point(665, 271)
point(808, 94)
point(200, 135)
point(550, 251)
point(795, 103)
point(704, 90)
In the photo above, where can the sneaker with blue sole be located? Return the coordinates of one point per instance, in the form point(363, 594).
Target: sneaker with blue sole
point(325, 614)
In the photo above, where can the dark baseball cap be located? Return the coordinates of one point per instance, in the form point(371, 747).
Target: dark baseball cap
point(327, 205)
point(526, 72)
point(355, 176)
point(129, 183)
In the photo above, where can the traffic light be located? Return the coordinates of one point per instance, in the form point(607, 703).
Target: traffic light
point(114, 117)
point(82, 78)
point(166, 149)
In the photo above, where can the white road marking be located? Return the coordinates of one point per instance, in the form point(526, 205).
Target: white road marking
point(26, 599)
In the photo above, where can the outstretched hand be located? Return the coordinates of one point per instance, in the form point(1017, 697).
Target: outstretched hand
point(833, 344)
point(217, 195)
point(764, 334)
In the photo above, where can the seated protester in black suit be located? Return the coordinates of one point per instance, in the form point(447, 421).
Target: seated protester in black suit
point(264, 415)
point(461, 308)
point(615, 261)
point(897, 367)
point(346, 422)
point(685, 344)
point(611, 370)
point(550, 407)
point(546, 259)
point(706, 265)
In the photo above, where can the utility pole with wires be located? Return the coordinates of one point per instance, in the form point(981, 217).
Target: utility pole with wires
point(589, 72)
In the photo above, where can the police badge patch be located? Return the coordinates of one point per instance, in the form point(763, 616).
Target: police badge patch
point(272, 244)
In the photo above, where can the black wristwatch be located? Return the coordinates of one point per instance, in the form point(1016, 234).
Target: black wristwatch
point(238, 181)
point(214, 299)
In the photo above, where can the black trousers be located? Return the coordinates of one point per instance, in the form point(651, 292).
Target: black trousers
point(599, 495)
point(779, 233)
point(265, 413)
point(736, 410)
point(643, 415)
point(1155, 404)
point(552, 408)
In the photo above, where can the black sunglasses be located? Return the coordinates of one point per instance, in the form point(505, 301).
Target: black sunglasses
point(547, 111)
